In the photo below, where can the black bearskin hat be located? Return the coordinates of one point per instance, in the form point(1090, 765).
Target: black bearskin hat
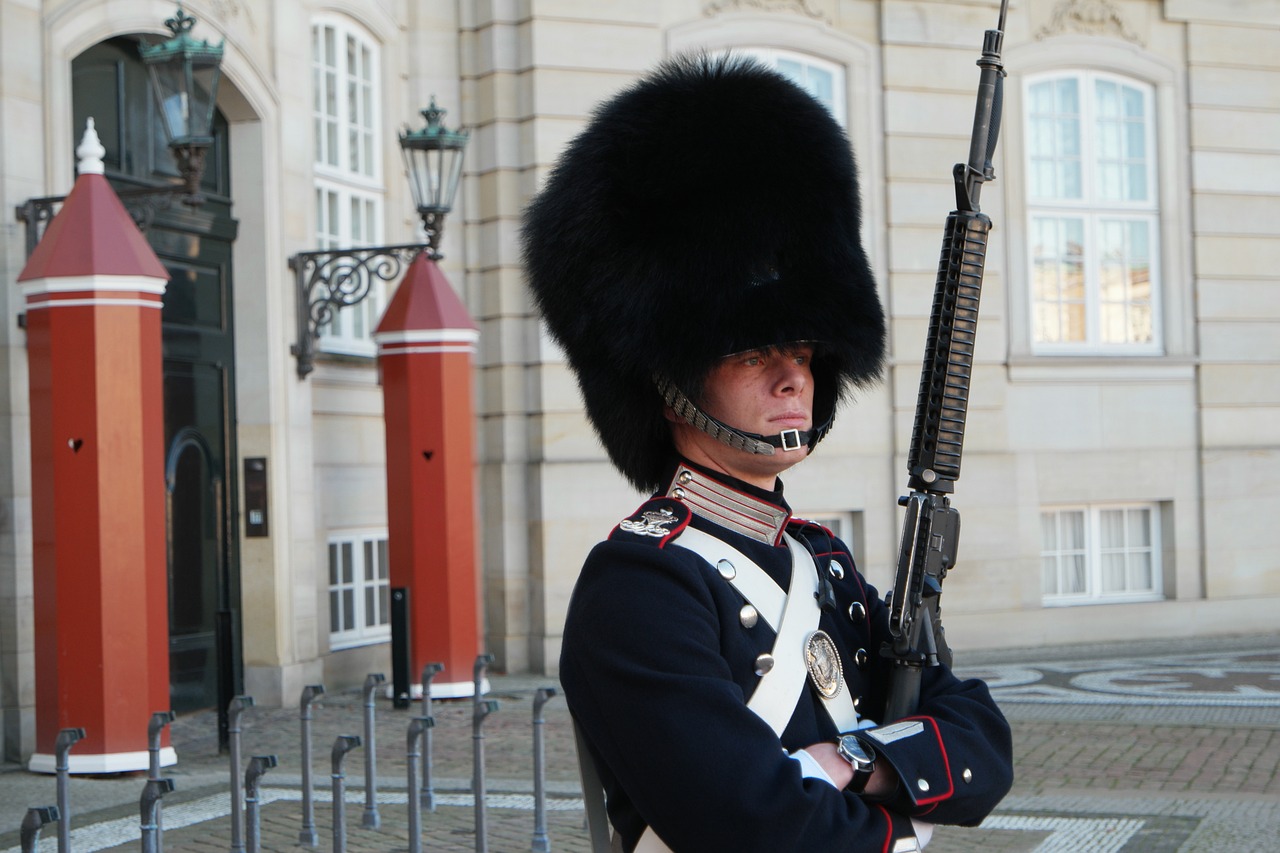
point(708, 209)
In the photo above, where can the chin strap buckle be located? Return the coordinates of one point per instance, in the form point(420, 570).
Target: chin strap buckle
point(790, 439)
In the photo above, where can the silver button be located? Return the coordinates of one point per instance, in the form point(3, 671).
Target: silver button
point(857, 700)
point(748, 616)
point(764, 663)
point(922, 784)
point(837, 570)
point(857, 611)
point(677, 493)
point(860, 658)
point(684, 478)
point(967, 775)
point(726, 569)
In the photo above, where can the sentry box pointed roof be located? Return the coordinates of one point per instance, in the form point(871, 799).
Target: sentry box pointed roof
point(93, 234)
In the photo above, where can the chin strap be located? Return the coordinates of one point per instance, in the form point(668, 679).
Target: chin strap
point(762, 445)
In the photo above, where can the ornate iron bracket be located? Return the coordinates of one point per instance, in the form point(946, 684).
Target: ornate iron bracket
point(327, 281)
point(142, 205)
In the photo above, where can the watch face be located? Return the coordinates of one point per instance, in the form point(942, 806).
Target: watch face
point(854, 752)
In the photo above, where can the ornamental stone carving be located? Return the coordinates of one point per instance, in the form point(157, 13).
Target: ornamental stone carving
point(803, 7)
point(1091, 17)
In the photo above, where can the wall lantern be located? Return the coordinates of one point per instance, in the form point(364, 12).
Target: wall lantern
point(433, 162)
point(328, 280)
point(184, 75)
point(184, 81)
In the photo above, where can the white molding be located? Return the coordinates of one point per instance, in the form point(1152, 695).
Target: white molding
point(427, 336)
point(94, 284)
point(1101, 371)
point(438, 348)
point(36, 305)
point(107, 762)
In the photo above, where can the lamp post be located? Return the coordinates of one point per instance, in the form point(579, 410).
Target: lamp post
point(332, 279)
point(184, 74)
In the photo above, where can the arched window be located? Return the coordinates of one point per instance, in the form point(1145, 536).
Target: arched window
point(823, 79)
point(1092, 214)
point(349, 187)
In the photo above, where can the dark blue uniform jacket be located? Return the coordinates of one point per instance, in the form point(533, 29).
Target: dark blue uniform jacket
point(657, 668)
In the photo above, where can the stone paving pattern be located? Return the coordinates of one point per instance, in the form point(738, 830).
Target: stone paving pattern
point(1097, 769)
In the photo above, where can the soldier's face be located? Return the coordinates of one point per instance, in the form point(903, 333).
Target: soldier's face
point(759, 391)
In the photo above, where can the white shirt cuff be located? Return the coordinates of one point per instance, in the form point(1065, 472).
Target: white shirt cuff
point(810, 768)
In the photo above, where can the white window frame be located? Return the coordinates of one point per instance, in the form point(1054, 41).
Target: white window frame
point(1093, 552)
point(847, 527)
point(341, 187)
point(350, 591)
point(1093, 213)
point(772, 57)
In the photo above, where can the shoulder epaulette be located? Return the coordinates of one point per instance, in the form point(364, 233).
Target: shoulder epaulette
point(656, 522)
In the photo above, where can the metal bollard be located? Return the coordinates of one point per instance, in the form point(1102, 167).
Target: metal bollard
point(308, 834)
point(37, 817)
point(541, 844)
point(428, 796)
point(477, 674)
point(235, 708)
point(341, 746)
point(149, 806)
point(258, 766)
point(371, 819)
point(66, 739)
point(155, 727)
point(483, 708)
point(417, 726)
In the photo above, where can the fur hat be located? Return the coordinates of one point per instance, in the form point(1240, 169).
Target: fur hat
point(708, 209)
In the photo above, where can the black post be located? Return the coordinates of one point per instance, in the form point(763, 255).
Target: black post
point(400, 647)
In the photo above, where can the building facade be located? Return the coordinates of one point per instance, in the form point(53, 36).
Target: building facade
point(1123, 450)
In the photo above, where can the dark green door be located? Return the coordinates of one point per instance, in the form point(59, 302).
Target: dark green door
point(110, 84)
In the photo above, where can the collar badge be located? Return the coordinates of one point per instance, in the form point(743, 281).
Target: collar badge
point(653, 522)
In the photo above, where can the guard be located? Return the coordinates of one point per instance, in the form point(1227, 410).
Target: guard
point(697, 254)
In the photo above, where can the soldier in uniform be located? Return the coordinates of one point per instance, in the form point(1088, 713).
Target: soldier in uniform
point(696, 253)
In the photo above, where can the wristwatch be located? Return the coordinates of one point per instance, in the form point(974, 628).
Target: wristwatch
point(861, 756)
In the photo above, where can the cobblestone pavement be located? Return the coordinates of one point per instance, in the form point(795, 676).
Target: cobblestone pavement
point(1153, 748)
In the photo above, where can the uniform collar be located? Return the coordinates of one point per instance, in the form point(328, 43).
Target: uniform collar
point(731, 503)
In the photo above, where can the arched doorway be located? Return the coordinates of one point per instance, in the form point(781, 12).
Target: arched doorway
point(109, 83)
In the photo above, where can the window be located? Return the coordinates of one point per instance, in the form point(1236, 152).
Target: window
point(348, 169)
point(1097, 554)
point(820, 78)
point(1092, 215)
point(359, 590)
point(847, 526)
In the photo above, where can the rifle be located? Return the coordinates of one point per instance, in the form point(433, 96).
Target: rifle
point(932, 526)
